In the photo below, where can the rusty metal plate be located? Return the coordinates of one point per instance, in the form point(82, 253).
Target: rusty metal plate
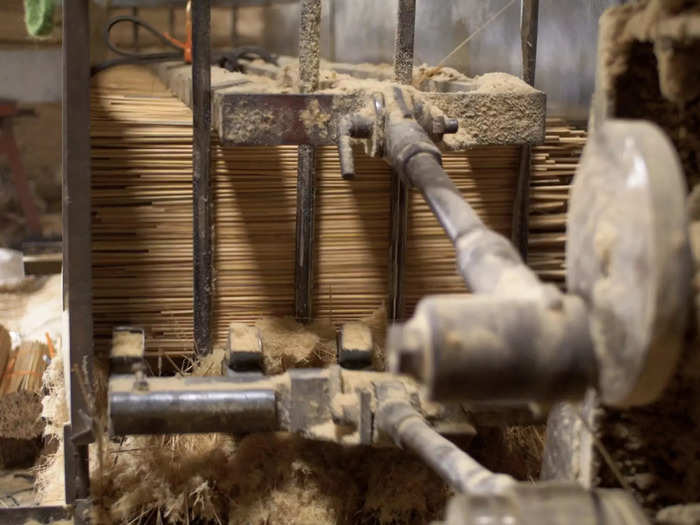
point(264, 119)
point(628, 256)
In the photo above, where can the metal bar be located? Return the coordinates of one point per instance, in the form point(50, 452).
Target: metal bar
point(309, 65)
point(135, 30)
point(403, 43)
point(403, 74)
point(309, 45)
point(43, 514)
point(306, 196)
point(234, 26)
point(77, 236)
point(521, 206)
point(397, 417)
point(193, 411)
point(171, 21)
point(201, 184)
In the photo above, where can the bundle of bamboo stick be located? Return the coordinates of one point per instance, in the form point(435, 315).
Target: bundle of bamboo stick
point(553, 168)
point(142, 221)
point(20, 392)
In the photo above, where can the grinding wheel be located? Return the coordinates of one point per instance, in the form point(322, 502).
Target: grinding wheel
point(628, 256)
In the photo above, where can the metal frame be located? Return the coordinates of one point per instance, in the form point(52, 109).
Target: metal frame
point(77, 258)
point(529, 17)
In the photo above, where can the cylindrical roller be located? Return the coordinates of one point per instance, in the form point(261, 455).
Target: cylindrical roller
point(196, 410)
point(489, 348)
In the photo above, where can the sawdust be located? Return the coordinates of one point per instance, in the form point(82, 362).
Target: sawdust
point(50, 472)
point(127, 344)
point(288, 344)
point(262, 478)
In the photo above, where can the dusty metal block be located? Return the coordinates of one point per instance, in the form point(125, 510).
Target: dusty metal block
point(270, 119)
point(244, 348)
point(128, 349)
point(355, 346)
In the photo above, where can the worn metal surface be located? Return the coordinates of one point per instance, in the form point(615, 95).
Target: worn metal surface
point(243, 116)
point(397, 417)
point(569, 452)
point(491, 348)
point(274, 119)
point(330, 404)
point(546, 504)
point(529, 18)
point(403, 74)
point(309, 64)
point(628, 256)
point(77, 222)
point(201, 167)
point(42, 514)
point(185, 407)
point(244, 350)
point(355, 346)
point(305, 226)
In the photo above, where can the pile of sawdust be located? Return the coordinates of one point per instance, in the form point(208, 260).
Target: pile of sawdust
point(514, 450)
point(262, 478)
point(50, 472)
point(288, 344)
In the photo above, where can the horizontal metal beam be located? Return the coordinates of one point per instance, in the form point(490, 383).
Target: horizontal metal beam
point(180, 3)
point(189, 408)
point(43, 514)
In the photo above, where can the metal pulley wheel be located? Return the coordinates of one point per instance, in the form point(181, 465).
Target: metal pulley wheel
point(628, 256)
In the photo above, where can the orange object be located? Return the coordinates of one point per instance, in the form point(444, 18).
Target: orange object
point(49, 343)
point(186, 46)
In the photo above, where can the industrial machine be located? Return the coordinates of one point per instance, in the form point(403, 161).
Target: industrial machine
point(512, 343)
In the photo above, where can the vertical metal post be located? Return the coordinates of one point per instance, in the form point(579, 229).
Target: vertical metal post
point(403, 74)
point(171, 21)
point(135, 30)
point(77, 236)
point(234, 26)
point(201, 166)
point(521, 206)
point(309, 64)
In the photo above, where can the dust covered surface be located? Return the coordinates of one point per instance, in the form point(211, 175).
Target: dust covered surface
point(514, 450)
point(651, 71)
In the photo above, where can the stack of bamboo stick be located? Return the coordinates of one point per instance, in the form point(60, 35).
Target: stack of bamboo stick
point(142, 221)
point(553, 168)
point(20, 392)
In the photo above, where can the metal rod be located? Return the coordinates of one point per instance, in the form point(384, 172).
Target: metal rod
point(193, 411)
point(309, 65)
point(201, 184)
point(403, 43)
point(403, 74)
point(304, 260)
point(77, 236)
point(399, 419)
point(171, 21)
point(135, 29)
point(234, 26)
point(521, 206)
point(38, 514)
point(484, 257)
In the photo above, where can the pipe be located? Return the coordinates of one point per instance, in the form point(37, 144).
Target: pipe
point(487, 261)
point(191, 410)
point(398, 418)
